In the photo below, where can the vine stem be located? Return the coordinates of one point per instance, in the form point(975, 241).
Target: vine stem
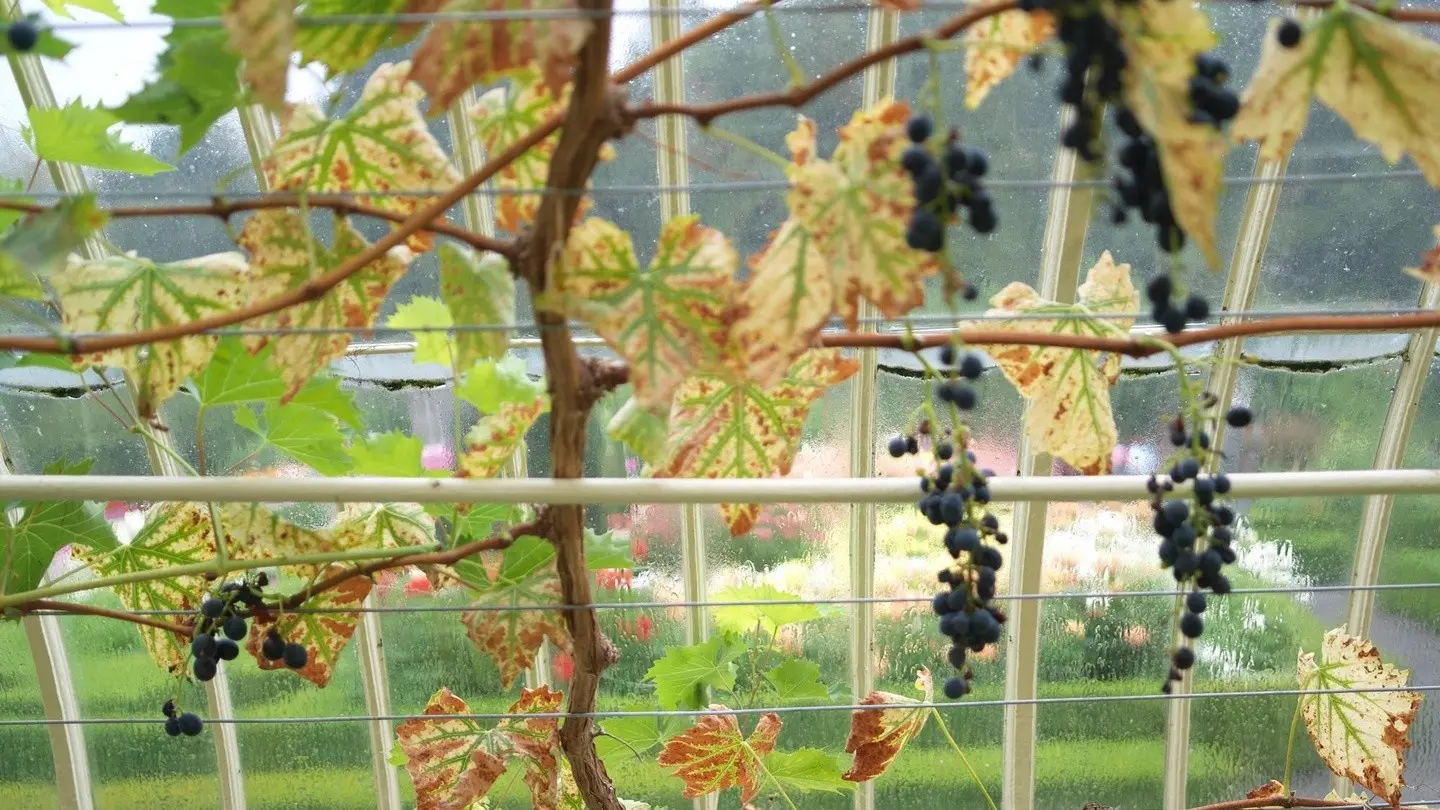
point(93, 610)
point(945, 729)
point(1281, 802)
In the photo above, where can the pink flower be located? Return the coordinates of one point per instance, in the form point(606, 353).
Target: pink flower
point(564, 666)
point(632, 467)
point(437, 457)
point(114, 510)
point(639, 549)
point(418, 585)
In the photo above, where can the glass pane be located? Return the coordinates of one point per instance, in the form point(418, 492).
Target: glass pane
point(41, 429)
point(27, 772)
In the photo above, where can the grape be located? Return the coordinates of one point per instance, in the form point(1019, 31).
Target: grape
point(1183, 536)
point(947, 355)
point(1238, 416)
point(168, 709)
point(945, 450)
point(1191, 626)
point(1188, 468)
point(1204, 489)
point(989, 557)
point(915, 159)
point(191, 724)
point(964, 397)
point(1222, 486)
point(971, 367)
point(226, 649)
point(1175, 512)
point(920, 128)
point(235, 627)
point(1173, 321)
point(990, 522)
point(957, 657)
point(1195, 602)
point(295, 656)
point(941, 603)
point(203, 645)
point(205, 669)
point(211, 608)
point(926, 232)
point(956, 688)
point(1220, 585)
point(983, 219)
point(962, 539)
point(1288, 33)
point(897, 446)
point(1184, 658)
point(912, 445)
point(172, 726)
point(1196, 308)
point(273, 648)
point(23, 35)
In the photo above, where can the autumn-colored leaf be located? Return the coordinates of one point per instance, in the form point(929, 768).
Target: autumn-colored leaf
point(877, 736)
point(456, 55)
point(722, 427)
point(323, 635)
point(511, 637)
point(130, 294)
point(995, 47)
point(1361, 735)
point(786, 301)
point(479, 290)
point(253, 532)
point(1429, 269)
point(283, 256)
point(641, 429)
point(491, 442)
point(263, 33)
point(40, 244)
point(384, 525)
point(713, 755)
point(1162, 40)
point(1272, 788)
point(1069, 389)
point(667, 320)
point(537, 740)
point(346, 46)
point(382, 144)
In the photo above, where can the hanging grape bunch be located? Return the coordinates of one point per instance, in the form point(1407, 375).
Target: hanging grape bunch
point(943, 186)
point(1196, 532)
point(954, 496)
point(1163, 309)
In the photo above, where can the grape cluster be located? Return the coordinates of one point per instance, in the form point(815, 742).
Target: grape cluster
point(944, 185)
point(177, 723)
point(1196, 533)
point(1161, 291)
point(954, 496)
point(22, 35)
point(221, 624)
point(1095, 62)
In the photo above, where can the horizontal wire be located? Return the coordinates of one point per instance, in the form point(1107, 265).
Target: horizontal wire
point(852, 707)
point(838, 600)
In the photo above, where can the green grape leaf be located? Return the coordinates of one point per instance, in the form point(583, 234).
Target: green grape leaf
point(492, 384)
point(40, 244)
point(392, 454)
point(382, 144)
point(1068, 390)
point(130, 294)
point(628, 737)
point(263, 33)
point(328, 394)
point(306, 434)
point(323, 635)
point(283, 256)
point(42, 528)
point(427, 314)
point(643, 430)
point(606, 551)
point(478, 291)
point(384, 525)
point(347, 46)
point(81, 135)
point(797, 680)
point(769, 618)
point(512, 637)
point(7, 217)
point(683, 672)
point(493, 440)
point(721, 427)
point(667, 321)
point(713, 755)
point(105, 7)
point(1360, 735)
point(456, 55)
point(235, 376)
point(1377, 74)
point(995, 47)
point(808, 770)
point(474, 521)
point(877, 736)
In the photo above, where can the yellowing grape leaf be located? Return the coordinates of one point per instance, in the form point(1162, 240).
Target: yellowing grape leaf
point(478, 291)
point(39, 245)
point(1378, 75)
point(458, 54)
point(130, 294)
point(382, 144)
point(427, 316)
point(1360, 735)
point(786, 301)
point(1068, 389)
point(994, 48)
point(283, 256)
point(526, 576)
point(667, 320)
point(384, 525)
point(263, 33)
point(493, 440)
point(1429, 269)
point(253, 532)
point(1162, 40)
point(347, 46)
point(323, 635)
point(642, 429)
point(712, 755)
point(721, 427)
point(877, 736)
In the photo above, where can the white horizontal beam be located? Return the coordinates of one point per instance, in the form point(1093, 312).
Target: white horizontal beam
point(625, 490)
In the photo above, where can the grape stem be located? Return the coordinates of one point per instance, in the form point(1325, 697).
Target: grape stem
point(945, 729)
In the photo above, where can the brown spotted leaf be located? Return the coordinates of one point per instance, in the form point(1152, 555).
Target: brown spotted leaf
point(994, 48)
point(537, 741)
point(263, 33)
point(666, 320)
point(526, 576)
point(1429, 269)
point(722, 426)
point(453, 761)
point(1268, 790)
point(131, 294)
point(713, 755)
point(786, 301)
point(284, 256)
point(384, 525)
point(323, 635)
point(493, 440)
point(1068, 389)
point(253, 532)
point(1360, 735)
point(877, 736)
point(458, 54)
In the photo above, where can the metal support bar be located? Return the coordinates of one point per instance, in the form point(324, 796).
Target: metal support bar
point(57, 694)
point(370, 649)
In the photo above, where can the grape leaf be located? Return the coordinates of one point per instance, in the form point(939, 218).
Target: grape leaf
point(385, 525)
point(606, 552)
point(491, 442)
point(1378, 75)
point(328, 394)
point(263, 33)
point(81, 135)
point(478, 291)
point(323, 635)
point(284, 255)
point(790, 286)
point(493, 384)
point(511, 637)
point(712, 755)
point(235, 376)
point(1069, 389)
point(427, 315)
point(253, 532)
point(1429, 269)
point(40, 244)
point(537, 741)
point(475, 520)
point(129, 294)
point(105, 7)
point(1162, 40)
point(642, 429)
point(11, 186)
point(1361, 736)
point(682, 674)
point(306, 434)
point(381, 144)
point(633, 736)
point(42, 528)
point(343, 46)
point(724, 428)
point(797, 680)
point(808, 770)
point(458, 54)
point(392, 454)
point(878, 735)
point(666, 321)
point(995, 47)
point(745, 618)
